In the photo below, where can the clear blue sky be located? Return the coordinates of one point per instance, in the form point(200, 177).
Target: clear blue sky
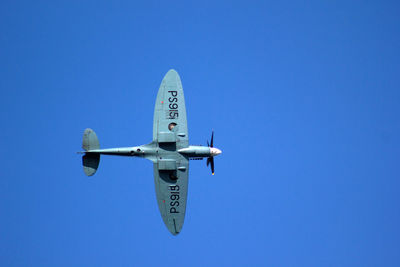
point(304, 99)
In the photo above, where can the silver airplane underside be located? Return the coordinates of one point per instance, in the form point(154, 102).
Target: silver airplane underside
point(169, 151)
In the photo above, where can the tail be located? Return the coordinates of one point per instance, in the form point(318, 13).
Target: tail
point(90, 161)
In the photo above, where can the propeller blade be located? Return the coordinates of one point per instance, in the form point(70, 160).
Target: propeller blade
point(212, 165)
point(211, 159)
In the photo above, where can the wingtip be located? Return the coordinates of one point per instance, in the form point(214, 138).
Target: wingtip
point(172, 73)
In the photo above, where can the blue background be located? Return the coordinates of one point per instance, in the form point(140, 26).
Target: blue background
point(303, 97)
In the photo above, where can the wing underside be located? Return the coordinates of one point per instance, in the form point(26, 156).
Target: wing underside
point(171, 169)
point(170, 112)
point(171, 190)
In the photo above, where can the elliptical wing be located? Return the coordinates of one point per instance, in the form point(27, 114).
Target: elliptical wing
point(171, 169)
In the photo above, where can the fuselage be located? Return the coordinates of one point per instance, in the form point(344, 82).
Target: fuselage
point(150, 151)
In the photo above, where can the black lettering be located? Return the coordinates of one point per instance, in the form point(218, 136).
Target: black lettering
point(174, 197)
point(173, 106)
point(174, 187)
point(173, 93)
point(174, 203)
point(173, 114)
point(173, 210)
point(174, 99)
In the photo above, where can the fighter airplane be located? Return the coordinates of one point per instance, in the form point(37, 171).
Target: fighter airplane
point(169, 151)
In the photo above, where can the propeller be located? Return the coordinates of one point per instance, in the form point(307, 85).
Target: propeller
point(211, 159)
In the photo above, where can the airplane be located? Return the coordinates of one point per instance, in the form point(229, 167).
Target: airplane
point(169, 151)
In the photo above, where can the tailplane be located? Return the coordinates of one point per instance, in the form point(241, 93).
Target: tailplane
point(90, 161)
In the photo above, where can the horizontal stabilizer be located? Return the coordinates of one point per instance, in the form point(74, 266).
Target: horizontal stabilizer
point(90, 161)
point(90, 141)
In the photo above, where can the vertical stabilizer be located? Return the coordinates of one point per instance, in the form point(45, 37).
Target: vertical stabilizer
point(90, 161)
